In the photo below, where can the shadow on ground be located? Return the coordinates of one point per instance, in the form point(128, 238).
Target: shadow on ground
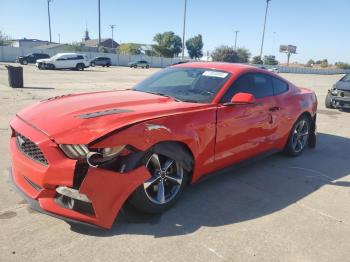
point(38, 88)
point(250, 192)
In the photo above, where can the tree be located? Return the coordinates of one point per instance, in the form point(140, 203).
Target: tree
point(194, 46)
point(243, 55)
point(342, 65)
point(168, 44)
point(324, 63)
point(257, 60)
point(129, 49)
point(102, 49)
point(310, 63)
point(270, 60)
point(225, 54)
point(74, 46)
point(3, 38)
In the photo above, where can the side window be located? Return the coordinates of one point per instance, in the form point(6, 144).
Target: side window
point(79, 57)
point(260, 85)
point(279, 86)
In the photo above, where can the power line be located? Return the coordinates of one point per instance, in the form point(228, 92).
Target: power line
point(99, 23)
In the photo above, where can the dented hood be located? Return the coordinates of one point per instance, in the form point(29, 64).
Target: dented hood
point(82, 118)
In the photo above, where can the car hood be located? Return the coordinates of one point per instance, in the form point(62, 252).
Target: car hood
point(44, 60)
point(342, 85)
point(82, 118)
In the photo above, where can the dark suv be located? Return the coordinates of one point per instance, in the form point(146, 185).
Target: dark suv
point(339, 95)
point(101, 61)
point(31, 58)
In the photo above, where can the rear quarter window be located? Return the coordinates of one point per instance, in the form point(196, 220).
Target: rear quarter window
point(279, 86)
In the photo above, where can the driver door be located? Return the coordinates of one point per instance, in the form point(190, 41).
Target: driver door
point(245, 130)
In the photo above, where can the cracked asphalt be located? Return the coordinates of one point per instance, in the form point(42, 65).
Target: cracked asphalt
point(275, 209)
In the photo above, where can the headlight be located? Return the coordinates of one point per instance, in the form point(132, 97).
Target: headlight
point(334, 92)
point(75, 151)
point(82, 151)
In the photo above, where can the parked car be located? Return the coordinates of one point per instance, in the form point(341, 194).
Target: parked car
point(31, 58)
point(64, 61)
point(83, 156)
point(274, 70)
point(339, 95)
point(101, 61)
point(140, 63)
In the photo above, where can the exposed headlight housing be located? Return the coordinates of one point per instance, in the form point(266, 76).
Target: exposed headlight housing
point(82, 151)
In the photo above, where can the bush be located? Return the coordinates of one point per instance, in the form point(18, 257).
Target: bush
point(257, 60)
point(342, 65)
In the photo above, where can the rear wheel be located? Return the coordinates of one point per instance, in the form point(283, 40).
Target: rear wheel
point(167, 182)
point(147, 66)
point(328, 101)
point(108, 65)
point(24, 62)
point(92, 64)
point(298, 137)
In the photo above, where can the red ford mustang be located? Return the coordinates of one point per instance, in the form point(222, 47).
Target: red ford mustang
point(82, 157)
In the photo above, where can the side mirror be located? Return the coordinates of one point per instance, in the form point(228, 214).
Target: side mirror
point(243, 98)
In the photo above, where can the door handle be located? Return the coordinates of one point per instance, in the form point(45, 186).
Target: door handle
point(274, 109)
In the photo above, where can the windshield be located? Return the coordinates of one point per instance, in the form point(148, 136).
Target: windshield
point(198, 85)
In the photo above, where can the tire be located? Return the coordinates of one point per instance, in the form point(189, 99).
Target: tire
point(164, 188)
point(328, 101)
point(92, 64)
point(147, 66)
point(80, 67)
point(299, 136)
point(135, 66)
point(24, 62)
point(108, 65)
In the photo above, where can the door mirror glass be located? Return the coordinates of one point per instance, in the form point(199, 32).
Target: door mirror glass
point(243, 98)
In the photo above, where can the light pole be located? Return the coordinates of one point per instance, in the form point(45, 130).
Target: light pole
point(263, 35)
point(99, 23)
point(236, 32)
point(183, 31)
point(112, 28)
point(48, 13)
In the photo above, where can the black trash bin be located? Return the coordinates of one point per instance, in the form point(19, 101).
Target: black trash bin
point(15, 75)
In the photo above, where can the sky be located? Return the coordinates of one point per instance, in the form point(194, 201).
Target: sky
point(319, 28)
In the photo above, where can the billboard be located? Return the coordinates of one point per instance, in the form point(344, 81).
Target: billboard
point(288, 49)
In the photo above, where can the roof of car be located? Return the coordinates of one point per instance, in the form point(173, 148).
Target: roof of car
point(229, 67)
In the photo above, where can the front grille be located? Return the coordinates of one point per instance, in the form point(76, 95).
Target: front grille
point(30, 149)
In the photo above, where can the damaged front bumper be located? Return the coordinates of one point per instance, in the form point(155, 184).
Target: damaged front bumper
point(341, 102)
point(47, 188)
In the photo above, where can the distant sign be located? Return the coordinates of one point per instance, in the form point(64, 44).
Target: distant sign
point(292, 49)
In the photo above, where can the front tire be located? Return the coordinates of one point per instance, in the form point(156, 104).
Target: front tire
point(80, 67)
point(328, 101)
point(298, 137)
point(163, 189)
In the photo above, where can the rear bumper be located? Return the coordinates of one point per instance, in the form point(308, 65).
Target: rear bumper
point(107, 190)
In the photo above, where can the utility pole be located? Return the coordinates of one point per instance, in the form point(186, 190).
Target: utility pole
point(99, 23)
point(59, 38)
point(263, 35)
point(183, 32)
point(236, 32)
point(112, 28)
point(48, 13)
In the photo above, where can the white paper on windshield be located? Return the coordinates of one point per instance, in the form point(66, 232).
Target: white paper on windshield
point(215, 74)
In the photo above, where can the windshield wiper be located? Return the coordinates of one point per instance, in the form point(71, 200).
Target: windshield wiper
point(161, 94)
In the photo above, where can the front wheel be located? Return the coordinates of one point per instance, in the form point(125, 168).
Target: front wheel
point(92, 64)
point(80, 67)
point(161, 191)
point(298, 137)
point(328, 101)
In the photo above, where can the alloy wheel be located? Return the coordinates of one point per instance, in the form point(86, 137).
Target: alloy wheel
point(166, 179)
point(300, 135)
